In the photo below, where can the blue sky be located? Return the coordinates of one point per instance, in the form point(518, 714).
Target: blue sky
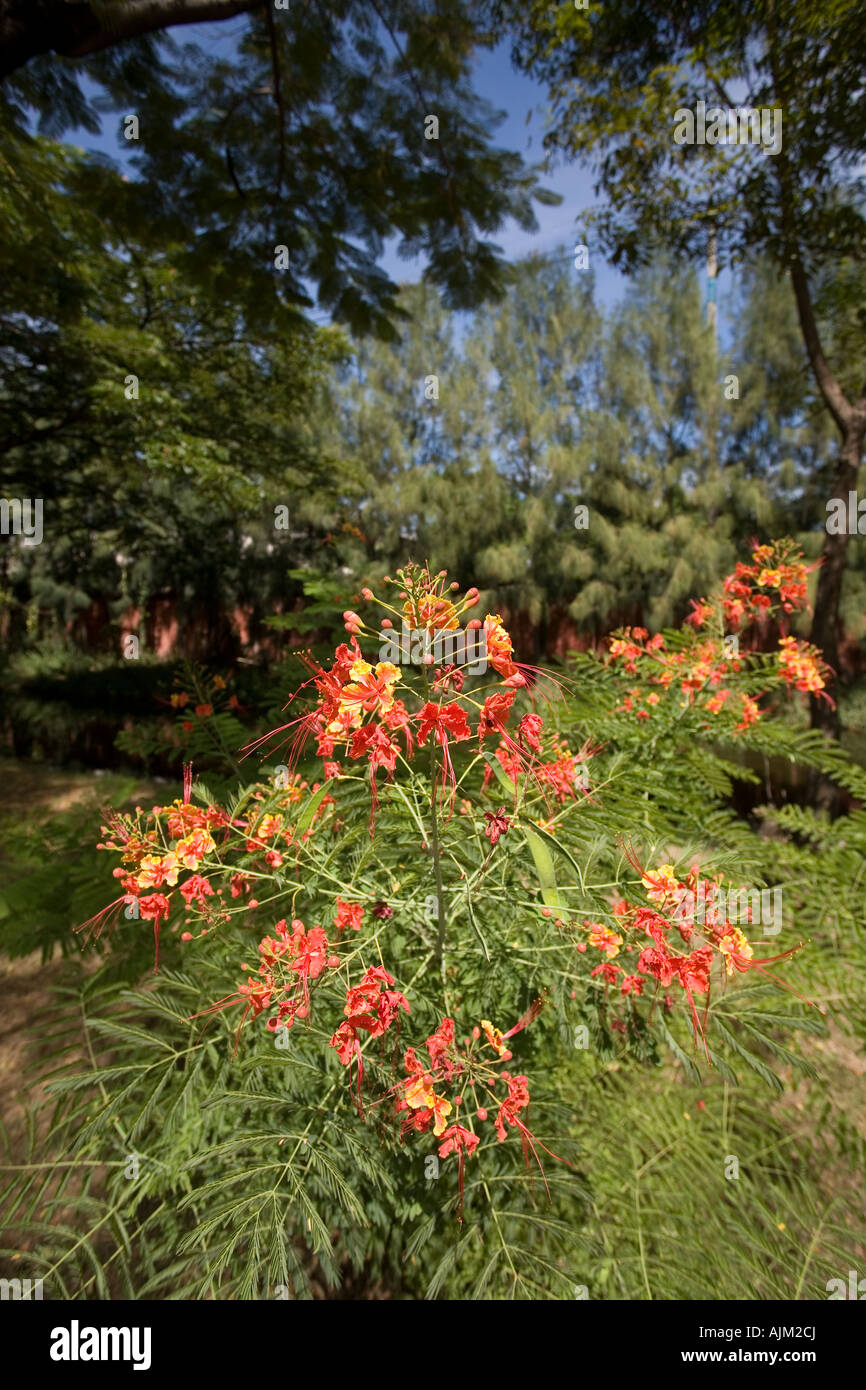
point(520, 97)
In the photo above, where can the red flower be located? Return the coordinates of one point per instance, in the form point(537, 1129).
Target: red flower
point(348, 915)
point(494, 713)
point(438, 1045)
point(196, 888)
point(152, 908)
point(529, 731)
point(656, 962)
point(345, 1040)
point(443, 720)
point(375, 743)
point(457, 1140)
point(311, 954)
point(498, 824)
point(371, 1008)
point(516, 1100)
point(461, 1141)
point(607, 971)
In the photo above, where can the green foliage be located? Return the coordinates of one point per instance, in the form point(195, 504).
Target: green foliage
point(309, 133)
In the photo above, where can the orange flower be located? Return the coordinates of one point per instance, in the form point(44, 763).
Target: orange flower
point(494, 1037)
point(500, 651)
point(604, 940)
point(661, 883)
point(419, 1095)
point(800, 665)
point(154, 871)
point(192, 849)
point(368, 690)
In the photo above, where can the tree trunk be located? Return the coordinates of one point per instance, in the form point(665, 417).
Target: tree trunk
point(825, 622)
point(76, 28)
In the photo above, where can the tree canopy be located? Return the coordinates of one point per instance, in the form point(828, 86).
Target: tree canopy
point(323, 130)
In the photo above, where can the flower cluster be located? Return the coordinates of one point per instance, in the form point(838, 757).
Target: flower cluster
point(293, 956)
point(471, 1068)
point(371, 1007)
point(187, 848)
point(802, 666)
point(153, 854)
point(288, 961)
point(701, 671)
point(775, 578)
point(360, 709)
point(680, 938)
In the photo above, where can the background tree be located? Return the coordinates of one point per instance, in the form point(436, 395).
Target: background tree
point(158, 429)
point(545, 404)
point(618, 74)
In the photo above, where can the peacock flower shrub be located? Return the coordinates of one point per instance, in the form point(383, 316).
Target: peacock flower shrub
point(699, 666)
point(465, 863)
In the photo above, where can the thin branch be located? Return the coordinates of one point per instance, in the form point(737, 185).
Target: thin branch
point(76, 29)
point(278, 96)
point(147, 16)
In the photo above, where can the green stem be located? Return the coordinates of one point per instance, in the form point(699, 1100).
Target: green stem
point(437, 864)
point(437, 857)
